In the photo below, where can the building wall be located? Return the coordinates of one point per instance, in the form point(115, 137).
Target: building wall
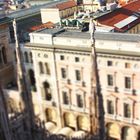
point(51, 14)
point(135, 29)
point(115, 58)
point(54, 14)
point(6, 65)
point(118, 94)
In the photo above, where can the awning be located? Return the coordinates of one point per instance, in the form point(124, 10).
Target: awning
point(79, 133)
point(66, 131)
point(50, 126)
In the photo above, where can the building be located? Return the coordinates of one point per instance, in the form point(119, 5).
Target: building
point(58, 12)
point(91, 5)
point(61, 67)
point(6, 65)
point(61, 98)
point(123, 19)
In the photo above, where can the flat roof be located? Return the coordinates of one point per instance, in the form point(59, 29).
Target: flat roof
point(61, 32)
point(33, 10)
point(102, 36)
point(50, 31)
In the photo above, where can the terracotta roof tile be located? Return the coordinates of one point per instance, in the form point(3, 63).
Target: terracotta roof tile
point(66, 5)
point(41, 26)
point(120, 14)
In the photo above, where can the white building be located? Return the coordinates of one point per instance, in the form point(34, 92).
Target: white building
point(62, 69)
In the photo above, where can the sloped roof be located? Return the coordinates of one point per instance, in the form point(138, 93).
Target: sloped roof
point(66, 5)
point(41, 26)
point(120, 14)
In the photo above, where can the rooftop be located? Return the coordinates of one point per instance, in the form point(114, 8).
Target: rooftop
point(65, 5)
point(33, 10)
point(120, 14)
point(60, 32)
point(53, 31)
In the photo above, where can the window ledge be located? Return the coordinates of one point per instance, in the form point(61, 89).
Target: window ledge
point(128, 120)
point(130, 91)
point(66, 106)
point(110, 116)
point(110, 88)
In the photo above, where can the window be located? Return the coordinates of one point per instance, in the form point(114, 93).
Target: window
point(110, 80)
point(110, 107)
point(31, 57)
point(0, 57)
point(32, 79)
point(127, 65)
point(127, 82)
point(78, 75)
point(62, 57)
point(63, 73)
point(4, 55)
point(47, 91)
point(47, 69)
point(41, 67)
point(65, 98)
point(79, 100)
point(127, 110)
point(26, 57)
point(3, 58)
point(15, 56)
point(77, 59)
point(109, 63)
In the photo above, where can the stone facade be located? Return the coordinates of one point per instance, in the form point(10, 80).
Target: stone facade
point(62, 70)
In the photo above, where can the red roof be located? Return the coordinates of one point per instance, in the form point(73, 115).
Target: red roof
point(66, 5)
point(46, 25)
point(120, 14)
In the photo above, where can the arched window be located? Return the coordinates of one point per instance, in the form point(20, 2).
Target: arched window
point(4, 55)
point(32, 79)
point(47, 68)
point(31, 57)
point(26, 57)
point(47, 91)
point(41, 69)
